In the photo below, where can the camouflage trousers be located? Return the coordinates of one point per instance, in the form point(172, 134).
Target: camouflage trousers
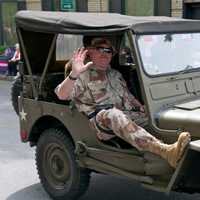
point(123, 125)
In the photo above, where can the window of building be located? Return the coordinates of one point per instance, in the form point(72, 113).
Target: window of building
point(33, 5)
point(139, 7)
point(98, 5)
point(52, 5)
point(56, 5)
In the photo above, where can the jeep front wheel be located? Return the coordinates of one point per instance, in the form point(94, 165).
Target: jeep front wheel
point(58, 170)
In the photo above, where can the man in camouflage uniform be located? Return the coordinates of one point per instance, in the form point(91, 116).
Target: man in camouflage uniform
point(101, 93)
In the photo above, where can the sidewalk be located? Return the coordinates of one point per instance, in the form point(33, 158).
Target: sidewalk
point(6, 78)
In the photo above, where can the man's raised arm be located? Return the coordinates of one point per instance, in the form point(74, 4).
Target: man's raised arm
point(64, 89)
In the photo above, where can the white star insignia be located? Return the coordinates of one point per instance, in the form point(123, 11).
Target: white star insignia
point(23, 115)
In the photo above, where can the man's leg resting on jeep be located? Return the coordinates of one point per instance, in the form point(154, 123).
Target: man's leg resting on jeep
point(138, 137)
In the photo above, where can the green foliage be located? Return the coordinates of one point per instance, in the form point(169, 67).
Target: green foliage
point(2, 49)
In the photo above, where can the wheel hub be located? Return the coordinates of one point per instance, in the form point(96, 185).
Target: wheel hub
point(57, 165)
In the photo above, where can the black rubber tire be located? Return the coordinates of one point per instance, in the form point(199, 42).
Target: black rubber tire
point(58, 170)
point(15, 92)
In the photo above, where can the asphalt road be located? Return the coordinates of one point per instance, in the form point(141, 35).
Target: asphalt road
point(18, 175)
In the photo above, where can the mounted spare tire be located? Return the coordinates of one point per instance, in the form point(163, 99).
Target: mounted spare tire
point(15, 92)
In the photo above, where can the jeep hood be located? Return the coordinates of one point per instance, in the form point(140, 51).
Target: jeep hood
point(185, 116)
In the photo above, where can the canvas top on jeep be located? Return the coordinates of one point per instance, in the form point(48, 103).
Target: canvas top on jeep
point(88, 23)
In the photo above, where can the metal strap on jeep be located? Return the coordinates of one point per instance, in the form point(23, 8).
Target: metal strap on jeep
point(98, 109)
point(53, 43)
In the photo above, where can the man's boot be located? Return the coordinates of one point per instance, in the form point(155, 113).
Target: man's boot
point(171, 152)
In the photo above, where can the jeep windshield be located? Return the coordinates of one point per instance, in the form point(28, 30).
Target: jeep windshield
point(170, 53)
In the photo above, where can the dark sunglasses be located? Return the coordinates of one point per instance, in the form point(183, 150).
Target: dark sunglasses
point(104, 49)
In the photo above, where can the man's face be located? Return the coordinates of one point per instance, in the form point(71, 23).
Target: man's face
point(101, 56)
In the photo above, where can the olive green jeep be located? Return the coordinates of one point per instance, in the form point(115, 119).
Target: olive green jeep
point(159, 57)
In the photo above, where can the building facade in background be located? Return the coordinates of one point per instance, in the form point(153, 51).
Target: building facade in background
point(177, 8)
point(191, 9)
point(8, 9)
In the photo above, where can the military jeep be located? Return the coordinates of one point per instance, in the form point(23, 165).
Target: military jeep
point(159, 57)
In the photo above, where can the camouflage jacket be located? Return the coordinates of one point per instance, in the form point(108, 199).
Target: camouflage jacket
point(96, 87)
